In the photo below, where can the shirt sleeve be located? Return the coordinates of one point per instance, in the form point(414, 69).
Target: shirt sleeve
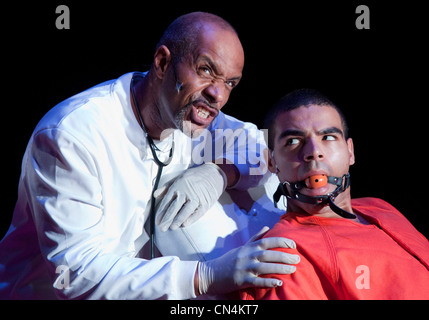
point(66, 198)
point(242, 144)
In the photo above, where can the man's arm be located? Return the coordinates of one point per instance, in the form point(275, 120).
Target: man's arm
point(66, 197)
point(231, 172)
point(241, 267)
point(237, 148)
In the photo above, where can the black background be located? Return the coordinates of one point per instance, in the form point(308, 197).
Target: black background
point(378, 76)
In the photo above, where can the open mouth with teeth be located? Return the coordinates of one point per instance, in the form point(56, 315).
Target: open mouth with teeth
point(202, 115)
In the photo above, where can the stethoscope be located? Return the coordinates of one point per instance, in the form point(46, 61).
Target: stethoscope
point(158, 162)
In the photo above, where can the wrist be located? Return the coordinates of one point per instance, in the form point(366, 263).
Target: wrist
point(204, 278)
point(197, 282)
point(232, 174)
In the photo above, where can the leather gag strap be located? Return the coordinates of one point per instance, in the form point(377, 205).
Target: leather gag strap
point(342, 184)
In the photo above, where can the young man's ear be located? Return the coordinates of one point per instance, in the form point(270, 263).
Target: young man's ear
point(272, 166)
point(161, 60)
point(351, 151)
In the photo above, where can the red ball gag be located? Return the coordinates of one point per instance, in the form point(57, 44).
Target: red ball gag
point(316, 181)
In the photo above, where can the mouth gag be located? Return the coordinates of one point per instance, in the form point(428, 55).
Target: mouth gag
point(313, 182)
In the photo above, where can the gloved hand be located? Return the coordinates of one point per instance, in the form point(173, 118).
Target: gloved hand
point(240, 267)
point(190, 196)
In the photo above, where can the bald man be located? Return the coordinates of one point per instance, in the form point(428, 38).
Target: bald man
point(85, 213)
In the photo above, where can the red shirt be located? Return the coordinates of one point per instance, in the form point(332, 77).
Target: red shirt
point(343, 259)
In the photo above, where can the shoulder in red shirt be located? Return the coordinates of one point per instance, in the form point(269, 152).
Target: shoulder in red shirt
point(343, 259)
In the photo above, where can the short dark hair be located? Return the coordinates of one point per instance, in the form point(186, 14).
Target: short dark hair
point(181, 35)
point(294, 100)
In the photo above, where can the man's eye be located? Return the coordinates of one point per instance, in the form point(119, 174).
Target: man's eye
point(329, 137)
point(205, 70)
point(231, 84)
point(292, 141)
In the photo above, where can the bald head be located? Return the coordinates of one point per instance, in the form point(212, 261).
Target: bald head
point(181, 36)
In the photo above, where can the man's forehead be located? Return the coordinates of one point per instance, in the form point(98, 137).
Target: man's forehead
point(308, 118)
point(220, 46)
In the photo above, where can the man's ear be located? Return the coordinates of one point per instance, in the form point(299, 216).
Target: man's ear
point(161, 61)
point(350, 147)
point(272, 166)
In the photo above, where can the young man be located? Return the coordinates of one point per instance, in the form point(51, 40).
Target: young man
point(86, 192)
point(349, 248)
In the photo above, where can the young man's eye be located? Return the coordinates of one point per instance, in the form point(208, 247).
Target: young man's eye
point(292, 141)
point(329, 137)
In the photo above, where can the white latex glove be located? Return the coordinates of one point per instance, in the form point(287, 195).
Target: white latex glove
point(240, 267)
point(189, 196)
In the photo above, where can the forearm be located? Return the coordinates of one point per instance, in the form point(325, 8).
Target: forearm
point(239, 148)
point(231, 171)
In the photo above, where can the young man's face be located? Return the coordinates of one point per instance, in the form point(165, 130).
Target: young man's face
point(309, 141)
